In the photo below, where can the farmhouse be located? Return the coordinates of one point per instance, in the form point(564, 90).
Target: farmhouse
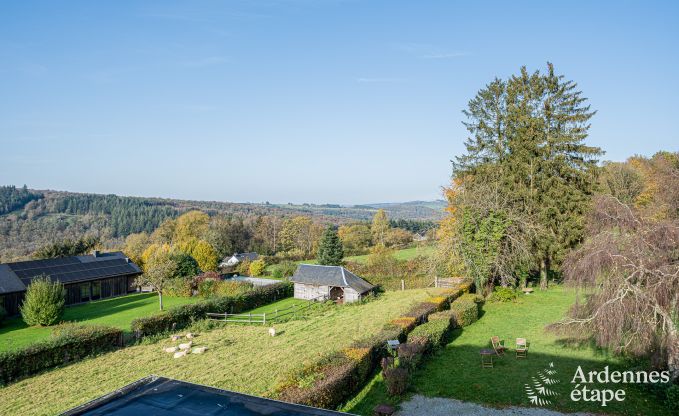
point(332, 282)
point(85, 278)
point(237, 258)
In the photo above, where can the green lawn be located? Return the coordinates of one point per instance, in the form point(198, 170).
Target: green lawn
point(118, 312)
point(281, 304)
point(455, 371)
point(242, 358)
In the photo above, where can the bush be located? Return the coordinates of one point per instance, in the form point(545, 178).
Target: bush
point(68, 343)
point(433, 334)
point(396, 380)
point(257, 267)
point(44, 302)
point(422, 311)
point(410, 354)
point(179, 287)
point(284, 270)
point(503, 294)
point(446, 315)
point(465, 310)
point(672, 398)
point(181, 316)
point(232, 288)
point(407, 323)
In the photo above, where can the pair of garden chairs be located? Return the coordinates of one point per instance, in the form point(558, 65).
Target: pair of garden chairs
point(500, 349)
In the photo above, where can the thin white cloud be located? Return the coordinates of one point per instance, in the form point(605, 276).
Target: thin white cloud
point(207, 61)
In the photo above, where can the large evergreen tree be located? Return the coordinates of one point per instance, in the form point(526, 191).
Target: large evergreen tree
point(330, 252)
point(526, 144)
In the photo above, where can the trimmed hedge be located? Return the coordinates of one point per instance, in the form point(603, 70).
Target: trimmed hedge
point(433, 334)
point(69, 343)
point(465, 310)
point(335, 378)
point(182, 316)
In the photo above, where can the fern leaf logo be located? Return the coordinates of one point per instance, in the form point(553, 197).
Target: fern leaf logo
point(537, 391)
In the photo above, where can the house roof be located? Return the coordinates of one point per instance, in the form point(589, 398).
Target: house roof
point(160, 396)
point(330, 276)
point(15, 277)
point(250, 256)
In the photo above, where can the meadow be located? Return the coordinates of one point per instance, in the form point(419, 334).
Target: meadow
point(241, 358)
point(455, 371)
point(117, 312)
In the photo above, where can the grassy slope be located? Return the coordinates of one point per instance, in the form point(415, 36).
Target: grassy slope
point(118, 312)
point(240, 358)
point(455, 371)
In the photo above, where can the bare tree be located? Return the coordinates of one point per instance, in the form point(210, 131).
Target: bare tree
point(628, 272)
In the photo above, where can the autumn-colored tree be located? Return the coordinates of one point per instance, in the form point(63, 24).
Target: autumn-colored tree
point(379, 227)
point(300, 235)
point(398, 237)
point(201, 251)
point(165, 232)
point(135, 245)
point(193, 224)
point(266, 230)
point(152, 250)
point(356, 238)
point(159, 271)
point(228, 235)
point(257, 267)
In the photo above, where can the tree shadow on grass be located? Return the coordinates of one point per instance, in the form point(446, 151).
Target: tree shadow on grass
point(456, 372)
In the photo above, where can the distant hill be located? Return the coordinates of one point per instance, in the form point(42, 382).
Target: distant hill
point(30, 219)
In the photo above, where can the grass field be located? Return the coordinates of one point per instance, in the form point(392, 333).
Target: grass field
point(118, 312)
point(240, 358)
point(455, 371)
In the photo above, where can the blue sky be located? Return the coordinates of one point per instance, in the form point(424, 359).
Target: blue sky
point(304, 101)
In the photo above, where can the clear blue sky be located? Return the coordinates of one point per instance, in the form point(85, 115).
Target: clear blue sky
point(304, 101)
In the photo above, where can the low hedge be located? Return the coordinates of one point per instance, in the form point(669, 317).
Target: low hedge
point(465, 310)
point(433, 334)
point(68, 343)
point(421, 311)
point(182, 316)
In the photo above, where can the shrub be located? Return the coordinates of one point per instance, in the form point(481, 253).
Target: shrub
point(396, 380)
point(422, 311)
point(672, 397)
point(44, 302)
point(407, 323)
point(232, 288)
point(465, 310)
point(410, 355)
point(433, 333)
point(181, 316)
point(257, 267)
point(243, 268)
point(179, 287)
point(284, 269)
point(503, 294)
point(441, 302)
point(68, 343)
point(446, 315)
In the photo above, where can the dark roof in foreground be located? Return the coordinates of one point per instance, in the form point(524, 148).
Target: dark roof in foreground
point(14, 277)
point(329, 276)
point(160, 396)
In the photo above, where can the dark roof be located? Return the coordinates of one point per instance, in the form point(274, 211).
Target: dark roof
point(329, 276)
point(251, 256)
point(65, 270)
point(160, 396)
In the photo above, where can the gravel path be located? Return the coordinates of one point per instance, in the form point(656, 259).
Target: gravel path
point(436, 406)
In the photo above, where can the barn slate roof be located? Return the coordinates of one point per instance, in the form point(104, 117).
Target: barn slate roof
point(314, 274)
point(15, 277)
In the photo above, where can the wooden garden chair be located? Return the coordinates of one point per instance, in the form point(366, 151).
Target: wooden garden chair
point(521, 348)
point(498, 346)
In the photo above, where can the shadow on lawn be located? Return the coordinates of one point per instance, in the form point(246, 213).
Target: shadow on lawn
point(456, 372)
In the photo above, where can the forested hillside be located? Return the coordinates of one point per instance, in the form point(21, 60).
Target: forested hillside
point(31, 219)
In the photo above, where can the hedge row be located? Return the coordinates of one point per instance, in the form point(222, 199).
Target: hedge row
point(68, 343)
point(465, 310)
point(181, 316)
point(335, 378)
point(432, 334)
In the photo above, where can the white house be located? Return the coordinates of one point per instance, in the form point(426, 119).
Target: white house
point(329, 282)
point(237, 258)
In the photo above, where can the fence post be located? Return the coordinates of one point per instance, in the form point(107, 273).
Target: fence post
point(250, 318)
point(264, 319)
point(403, 284)
point(436, 281)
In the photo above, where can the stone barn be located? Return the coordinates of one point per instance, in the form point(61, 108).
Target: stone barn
point(331, 282)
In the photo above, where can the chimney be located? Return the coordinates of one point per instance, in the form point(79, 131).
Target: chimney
point(127, 259)
point(95, 253)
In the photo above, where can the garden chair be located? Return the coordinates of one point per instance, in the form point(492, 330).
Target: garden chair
point(498, 346)
point(521, 348)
